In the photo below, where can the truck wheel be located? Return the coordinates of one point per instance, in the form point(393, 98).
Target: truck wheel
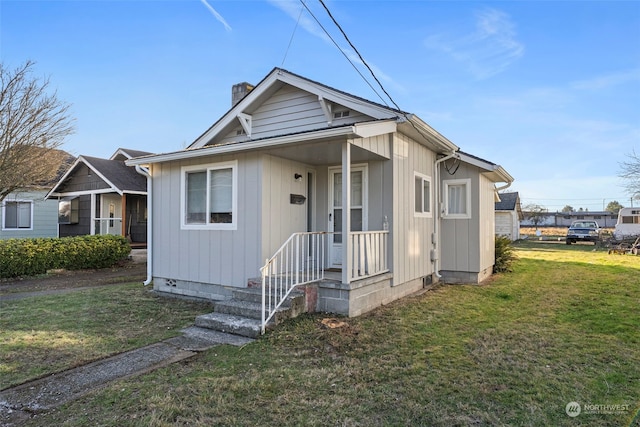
point(568, 242)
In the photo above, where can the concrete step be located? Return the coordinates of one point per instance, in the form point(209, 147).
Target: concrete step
point(230, 324)
point(199, 339)
point(255, 295)
point(251, 310)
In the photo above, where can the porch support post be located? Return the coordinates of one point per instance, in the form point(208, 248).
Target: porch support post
point(92, 216)
point(123, 215)
point(346, 212)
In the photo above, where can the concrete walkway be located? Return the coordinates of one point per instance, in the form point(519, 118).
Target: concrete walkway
point(21, 403)
point(27, 400)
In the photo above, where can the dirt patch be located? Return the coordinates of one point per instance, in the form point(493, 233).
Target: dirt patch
point(125, 271)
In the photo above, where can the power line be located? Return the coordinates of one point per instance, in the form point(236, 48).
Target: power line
point(343, 54)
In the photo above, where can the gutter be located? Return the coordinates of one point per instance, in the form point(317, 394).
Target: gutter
point(436, 216)
point(145, 172)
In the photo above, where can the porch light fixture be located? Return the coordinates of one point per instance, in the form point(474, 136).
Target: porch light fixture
point(297, 177)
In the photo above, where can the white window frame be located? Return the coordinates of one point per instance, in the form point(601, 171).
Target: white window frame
point(4, 215)
point(233, 225)
point(422, 213)
point(457, 182)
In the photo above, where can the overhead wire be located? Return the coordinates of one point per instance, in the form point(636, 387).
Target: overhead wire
point(364, 62)
point(342, 51)
point(291, 39)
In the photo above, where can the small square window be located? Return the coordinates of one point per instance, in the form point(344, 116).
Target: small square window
point(457, 196)
point(422, 191)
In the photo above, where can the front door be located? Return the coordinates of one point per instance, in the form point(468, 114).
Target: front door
point(358, 208)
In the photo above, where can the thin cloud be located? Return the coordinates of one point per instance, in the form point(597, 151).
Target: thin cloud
point(610, 80)
point(216, 15)
point(487, 51)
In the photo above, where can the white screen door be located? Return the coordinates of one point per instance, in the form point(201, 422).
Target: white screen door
point(358, 209)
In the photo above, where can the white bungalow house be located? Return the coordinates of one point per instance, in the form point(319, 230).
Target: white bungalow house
point(301, 184)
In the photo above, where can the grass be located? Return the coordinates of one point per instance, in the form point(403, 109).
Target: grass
point(39, 336)
point(514, 351)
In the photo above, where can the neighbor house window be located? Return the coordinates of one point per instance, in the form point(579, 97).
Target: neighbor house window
point(69, 210)
point(457, 198)
point(422, 191)
point(209, 196)
point(17, 215)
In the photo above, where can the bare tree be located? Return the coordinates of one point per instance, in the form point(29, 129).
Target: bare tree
point(535, 213)
point(630, 174)
point(33, 124)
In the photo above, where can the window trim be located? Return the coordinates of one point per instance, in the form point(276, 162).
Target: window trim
point(422, 213)
point(4, 215)
point(233, 225)
point(456, 182)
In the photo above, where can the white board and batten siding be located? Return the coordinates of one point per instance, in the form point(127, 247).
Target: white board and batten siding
point(411, 234)
point(221, 257)
point(468, 243)
point(281, 218)
point(289, 110)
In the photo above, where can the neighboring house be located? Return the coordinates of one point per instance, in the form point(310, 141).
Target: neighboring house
point(508, 215)
point(312, 179)
point(564, 219)
point(103, 196)
point(25, 213)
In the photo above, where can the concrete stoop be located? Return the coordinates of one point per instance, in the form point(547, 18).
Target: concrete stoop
point(242, 314)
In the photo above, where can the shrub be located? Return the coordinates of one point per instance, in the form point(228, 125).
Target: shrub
point(504, 255)
point(29, 257)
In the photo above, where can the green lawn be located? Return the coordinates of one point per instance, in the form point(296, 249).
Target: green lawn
point(42, 335)
point(563, 327)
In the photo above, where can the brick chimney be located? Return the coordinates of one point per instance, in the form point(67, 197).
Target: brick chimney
point(239, 91)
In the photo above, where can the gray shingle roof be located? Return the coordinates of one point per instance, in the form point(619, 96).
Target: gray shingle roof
point(508, 201)
point(123, 177)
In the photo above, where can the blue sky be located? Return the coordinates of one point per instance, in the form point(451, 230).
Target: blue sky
point(550, 90)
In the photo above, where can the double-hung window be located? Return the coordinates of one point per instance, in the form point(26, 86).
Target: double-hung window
point(422, 199)
point(457, 198)
point(209, 196)
point(17, 215)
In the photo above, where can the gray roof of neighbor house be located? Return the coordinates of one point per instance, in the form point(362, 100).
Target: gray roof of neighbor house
point(123, 177)
point(120, 177)
point(508, 201)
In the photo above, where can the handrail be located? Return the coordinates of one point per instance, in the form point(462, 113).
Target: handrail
point(300, 260)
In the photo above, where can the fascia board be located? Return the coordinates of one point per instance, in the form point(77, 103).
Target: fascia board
point(436, 136)
point(496, 172)
point(243, 146)
point(369, 129)
point(84, 193)
point(361, 105)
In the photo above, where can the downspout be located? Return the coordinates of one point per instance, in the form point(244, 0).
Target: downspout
point(437, 214)
point(145, 172)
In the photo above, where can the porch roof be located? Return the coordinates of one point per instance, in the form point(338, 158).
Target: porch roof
point(312, 147)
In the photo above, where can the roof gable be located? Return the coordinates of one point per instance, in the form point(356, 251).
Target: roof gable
point(285, 103)
point(111, 174)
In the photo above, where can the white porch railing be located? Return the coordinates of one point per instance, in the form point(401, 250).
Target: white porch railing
point(108, 226)
point(301, 260)
point(368, 253)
